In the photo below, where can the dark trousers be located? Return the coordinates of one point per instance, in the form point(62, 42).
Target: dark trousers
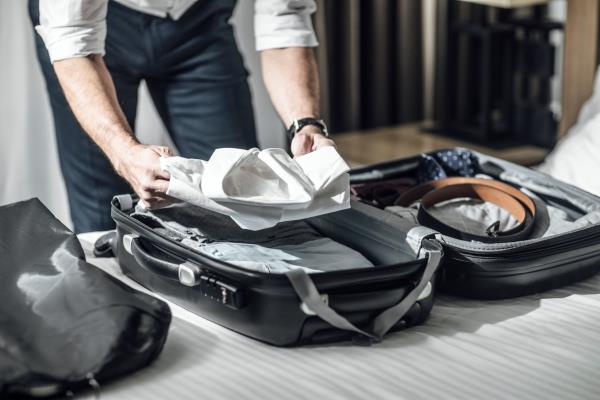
point(198, 83)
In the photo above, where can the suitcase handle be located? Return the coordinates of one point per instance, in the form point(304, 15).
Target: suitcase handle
point(188, 274)
point(384, 321)
point(153, 264)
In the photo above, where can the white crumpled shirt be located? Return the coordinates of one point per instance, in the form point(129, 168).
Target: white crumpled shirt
point(258, 189)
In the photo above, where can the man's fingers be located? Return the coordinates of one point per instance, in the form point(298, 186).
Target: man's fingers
point(160, 174)
point(156, 187)
point(301, 144)
point(302, 151)
point(152, 197)
point(160, 186)
point(157, 202)
point(320, 143)
point(162, 151)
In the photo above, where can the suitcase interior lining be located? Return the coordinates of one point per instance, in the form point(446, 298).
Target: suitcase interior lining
point(360, 229)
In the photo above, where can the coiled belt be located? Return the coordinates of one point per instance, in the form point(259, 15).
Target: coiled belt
point(505, 196)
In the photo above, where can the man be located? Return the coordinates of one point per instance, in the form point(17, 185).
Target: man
point(95, 53)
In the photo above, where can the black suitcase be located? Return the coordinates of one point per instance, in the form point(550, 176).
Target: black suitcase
point(503, 270)
point(297, 308)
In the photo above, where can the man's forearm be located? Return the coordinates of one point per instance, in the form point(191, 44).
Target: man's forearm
point(292, 80)
point(90, 92)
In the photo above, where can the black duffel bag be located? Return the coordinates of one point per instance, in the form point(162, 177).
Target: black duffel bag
point(65, 325)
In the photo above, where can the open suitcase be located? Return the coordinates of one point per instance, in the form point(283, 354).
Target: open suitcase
point(516, 268)
point(331, 306)
point(295, 308)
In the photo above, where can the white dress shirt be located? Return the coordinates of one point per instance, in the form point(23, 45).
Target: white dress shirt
point(260, 188)
point(77, 28)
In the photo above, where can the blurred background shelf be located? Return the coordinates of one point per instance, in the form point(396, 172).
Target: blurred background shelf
point(506, 77)
point(382, 144)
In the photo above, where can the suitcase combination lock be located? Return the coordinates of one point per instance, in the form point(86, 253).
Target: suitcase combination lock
point(212, 287)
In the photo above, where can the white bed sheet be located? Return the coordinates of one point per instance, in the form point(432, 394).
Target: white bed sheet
point(545, 346)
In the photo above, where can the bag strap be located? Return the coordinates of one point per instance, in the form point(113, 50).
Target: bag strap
point(382, 323)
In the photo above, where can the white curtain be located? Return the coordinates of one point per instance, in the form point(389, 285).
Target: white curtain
point(28, 157)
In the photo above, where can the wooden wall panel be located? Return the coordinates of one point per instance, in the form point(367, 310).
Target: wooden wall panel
point(580, 58)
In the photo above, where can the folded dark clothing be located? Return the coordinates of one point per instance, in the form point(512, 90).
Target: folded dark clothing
point(383, 193)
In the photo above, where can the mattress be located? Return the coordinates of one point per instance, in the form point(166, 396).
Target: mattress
point(541, 346)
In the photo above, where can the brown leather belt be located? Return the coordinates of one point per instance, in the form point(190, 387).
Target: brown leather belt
point(505, 196)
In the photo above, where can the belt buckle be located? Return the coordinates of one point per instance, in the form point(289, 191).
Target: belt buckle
point(493, 230)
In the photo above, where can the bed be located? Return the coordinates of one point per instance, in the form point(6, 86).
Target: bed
point(541, 346)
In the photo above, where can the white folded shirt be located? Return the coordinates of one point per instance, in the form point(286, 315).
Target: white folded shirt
point(258, 189)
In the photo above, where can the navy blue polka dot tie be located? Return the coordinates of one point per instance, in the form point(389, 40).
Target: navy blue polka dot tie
point(447, 163)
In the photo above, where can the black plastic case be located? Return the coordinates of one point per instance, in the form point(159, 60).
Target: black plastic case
point(266, 306)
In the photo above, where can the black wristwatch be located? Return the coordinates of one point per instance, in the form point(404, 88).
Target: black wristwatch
point(300, 123)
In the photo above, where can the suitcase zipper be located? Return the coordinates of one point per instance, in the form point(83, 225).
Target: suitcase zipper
point(550, 248)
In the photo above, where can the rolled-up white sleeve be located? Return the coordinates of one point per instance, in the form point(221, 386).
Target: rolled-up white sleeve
point(284, 23)
point(73, 28)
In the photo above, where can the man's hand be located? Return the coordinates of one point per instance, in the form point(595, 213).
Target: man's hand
point(309, 140)
point(140, 166)
point(292, 81)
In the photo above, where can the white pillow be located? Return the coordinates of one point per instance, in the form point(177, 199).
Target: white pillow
point(576, 157)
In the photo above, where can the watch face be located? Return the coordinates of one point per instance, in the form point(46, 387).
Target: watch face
point(298, 124)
